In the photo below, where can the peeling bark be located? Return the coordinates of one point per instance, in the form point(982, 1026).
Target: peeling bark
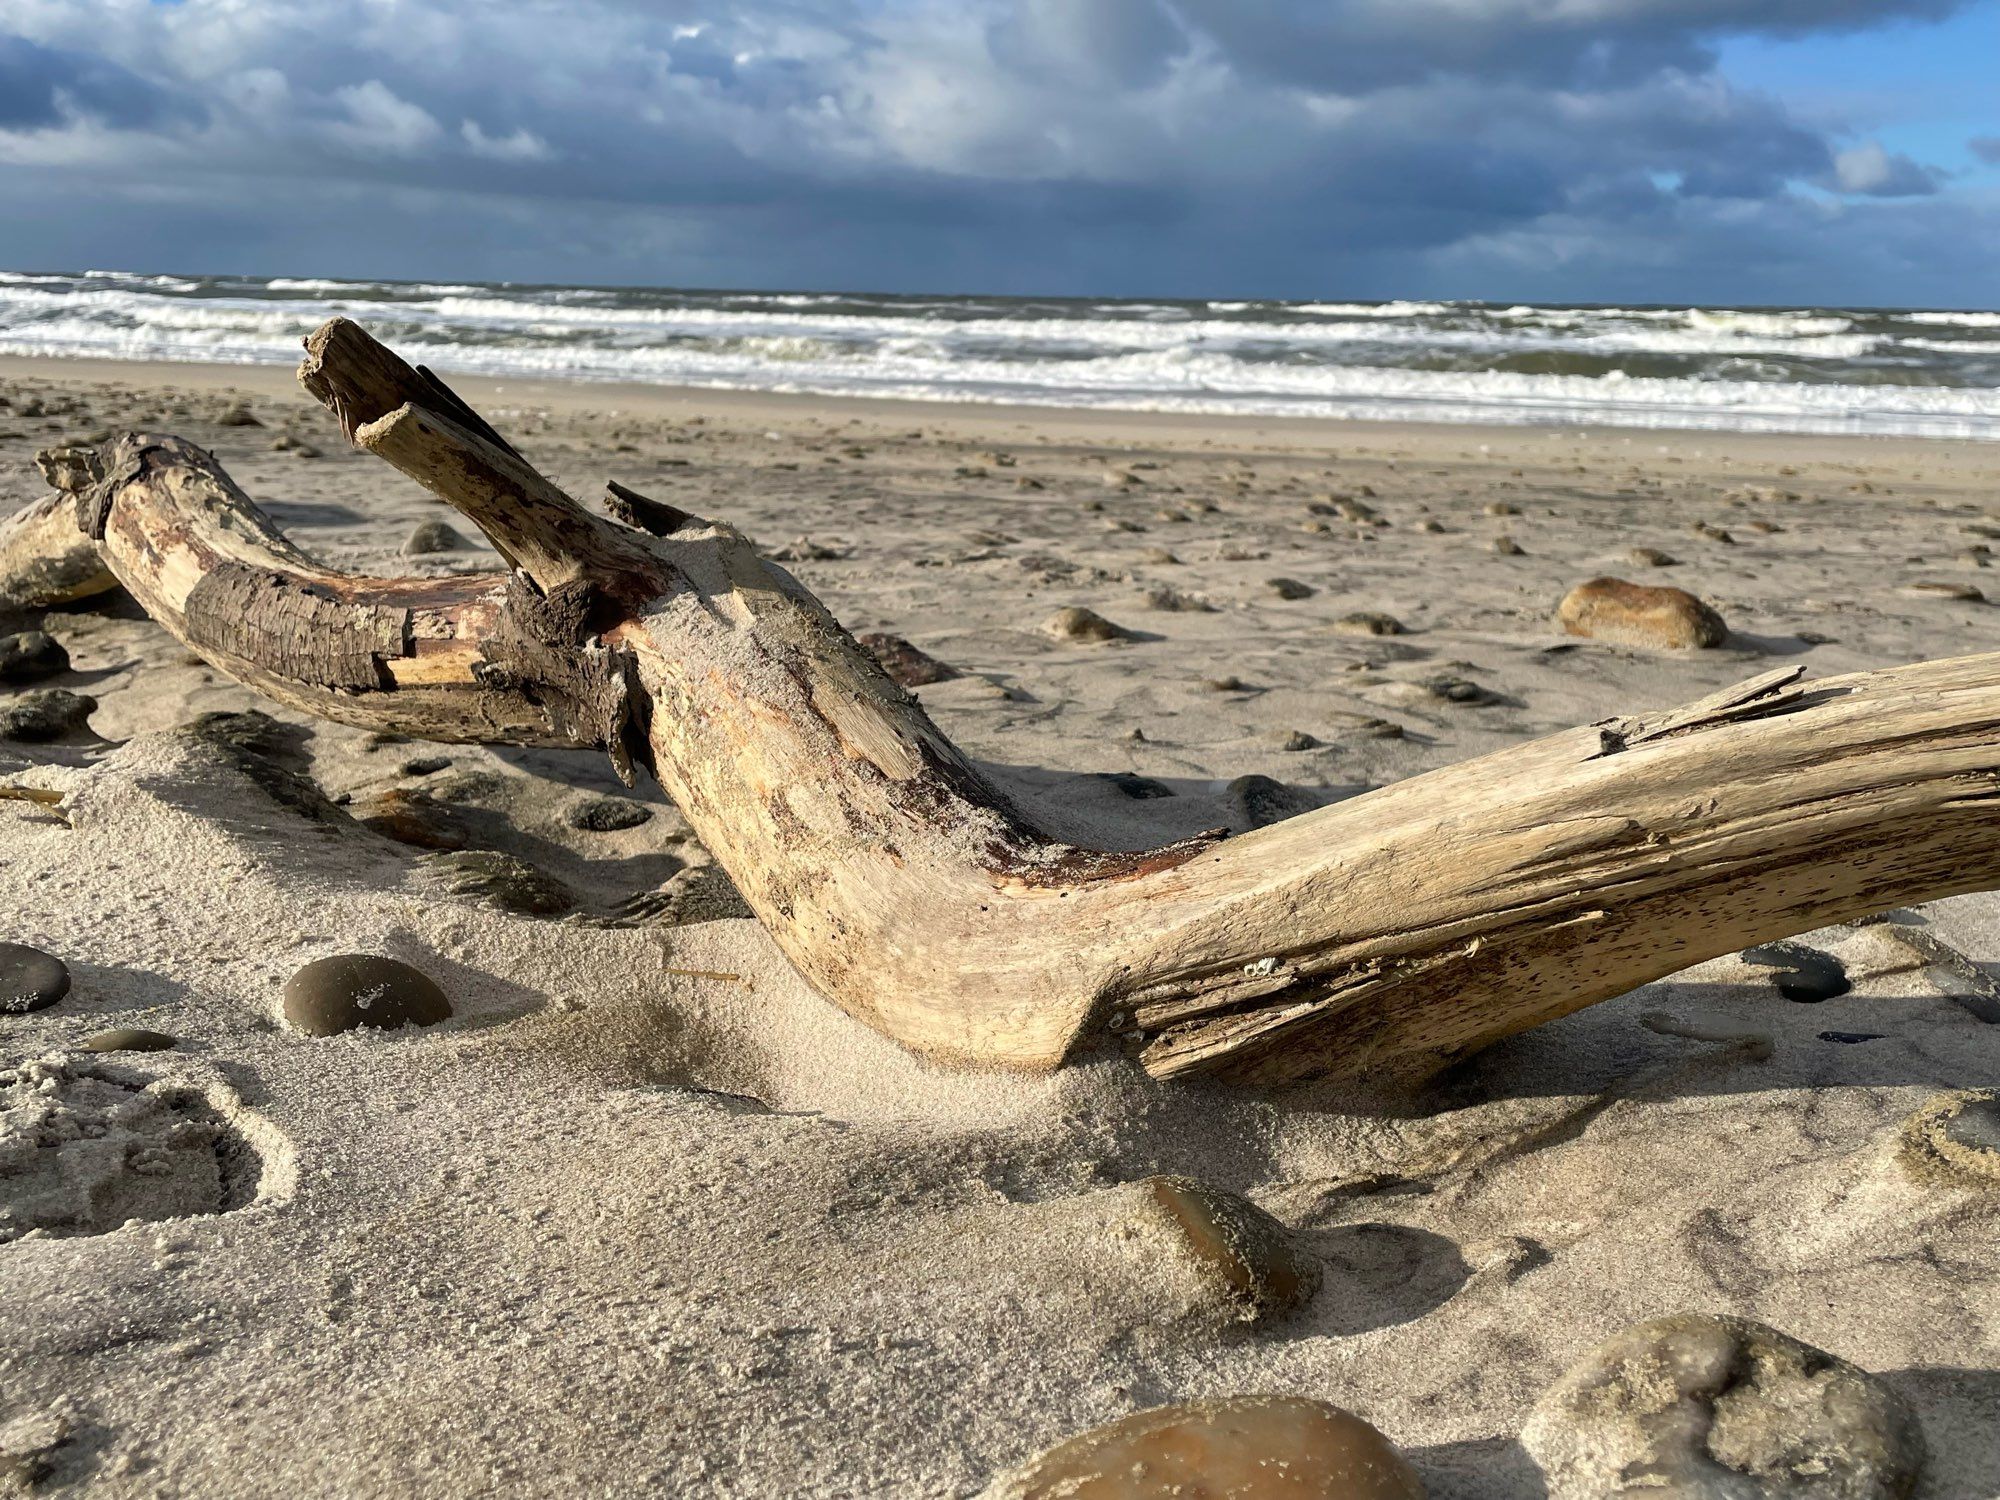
point(1367, 942)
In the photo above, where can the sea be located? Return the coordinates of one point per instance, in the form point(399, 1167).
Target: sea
point(1929, 372)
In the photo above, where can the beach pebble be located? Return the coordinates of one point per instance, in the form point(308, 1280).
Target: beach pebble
point(1138, 788)
point(126, 1039)
point(1636, 614)
point(425, 765)
point(1713, 532)
point(1955, 1140)
point(1935, 589)
point(1460, 690)
point(1258, 801)
point(608, 814)
point(1801, 973)
point(1701, 1407)
point(906, 665)
point(510, 883)
point(1289, 588)
point(1166, 596)
point(30, 979)
point(238, 414)
point(410, 817)
point(1652, 557)
point(1246, 1253)
point(1079, 624)
point(1160, 557)
point(350, 990)
point(47, 714)
point(434, 536)
point(1506, 546)
point(30, 656)
point(1368, 622)
point(1240, 1448)
point(1294, 739)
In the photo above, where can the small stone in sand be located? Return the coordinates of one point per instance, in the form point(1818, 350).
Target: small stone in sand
point(510, 883)
point(1138, 788)
point(1167, 597)
point(1713, 532)
point(126, 1039)
point(1955, 1140)
point(608, 814)
point(434, 536)
point(425, 765)
point(1460, 690)
point(1079, 624)
point(1502, 508)
point(1249, 1253)
point(47, 714)
point(1258, 801)
point(237, 415)
point(1652, 557)
point(1964, 593)
point(906, 665)
point(1637, 614)
point(350, 990)
point(30, 656)
point(1295, 739)
point(1289, 588)
point(1367, 622)
point(410, 817)
point(1721, 1408)
point(1802, 974)
point(1241, 1448)
point(1506, 546)
point(30, 979)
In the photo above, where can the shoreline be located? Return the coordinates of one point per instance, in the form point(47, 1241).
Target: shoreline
point(1094, 425)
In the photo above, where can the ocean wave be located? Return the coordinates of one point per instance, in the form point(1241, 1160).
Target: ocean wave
point(1806, 369)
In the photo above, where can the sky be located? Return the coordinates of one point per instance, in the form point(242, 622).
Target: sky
point(1835, 152)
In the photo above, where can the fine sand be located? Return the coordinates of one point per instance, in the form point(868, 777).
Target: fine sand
point(647, 1217)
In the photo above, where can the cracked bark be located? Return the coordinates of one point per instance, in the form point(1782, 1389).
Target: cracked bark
point(1367, 942)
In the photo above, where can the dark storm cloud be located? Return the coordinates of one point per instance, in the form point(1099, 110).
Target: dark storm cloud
point(1144, 146)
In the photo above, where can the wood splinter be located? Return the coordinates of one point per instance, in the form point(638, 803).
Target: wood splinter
point(1368, 942)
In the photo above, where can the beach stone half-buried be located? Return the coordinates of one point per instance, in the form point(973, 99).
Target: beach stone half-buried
point(1706, 1407)
point(1240, 1448)
point(1954, 1140)
point(46, 714)
point(1247, 1253)
point(31, 654)
point(126, 1039)
point(907, 665)
point(30, 979)
point(608, 815)
point(354, 990)
point(1079, 624)
point(1640, 614)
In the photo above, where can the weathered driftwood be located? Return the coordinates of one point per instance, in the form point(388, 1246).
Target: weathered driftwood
point(1375, 939)
point(45, 560)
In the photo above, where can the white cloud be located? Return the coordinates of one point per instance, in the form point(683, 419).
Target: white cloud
point(375, 118)
point(522, 145)
point(1872, 170)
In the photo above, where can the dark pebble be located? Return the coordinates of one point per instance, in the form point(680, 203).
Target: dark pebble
point(426, 765)
point(608, 815)
point(1976, 1126)
point(1850, 1036)
point(906, 665)
point(1801, 973)
point(1139, 788)
point(126, 1039)
point(30, 979)
point(1289, 588)
point(30, 656)
point(49, 714)
point(332, 995)
point(434, 536)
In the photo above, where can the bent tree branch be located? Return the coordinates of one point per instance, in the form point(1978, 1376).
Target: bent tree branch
point(1371, 941)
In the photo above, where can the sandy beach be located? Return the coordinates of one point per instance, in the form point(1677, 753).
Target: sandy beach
point(647, 1216)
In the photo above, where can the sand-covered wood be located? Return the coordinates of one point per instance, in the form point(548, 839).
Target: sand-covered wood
point(1369, 941)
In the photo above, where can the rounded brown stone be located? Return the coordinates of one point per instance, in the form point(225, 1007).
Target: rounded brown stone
point(1954, 1141)
point(1637, 614)
point(1079, 624)
point(1248, 1252)
point(30, 979)
point(1243, 1448)
point(350, 990)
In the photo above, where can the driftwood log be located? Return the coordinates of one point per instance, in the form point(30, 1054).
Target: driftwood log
point(1370, 941)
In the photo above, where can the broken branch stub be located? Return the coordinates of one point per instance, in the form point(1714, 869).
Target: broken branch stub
point(1368, 942)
